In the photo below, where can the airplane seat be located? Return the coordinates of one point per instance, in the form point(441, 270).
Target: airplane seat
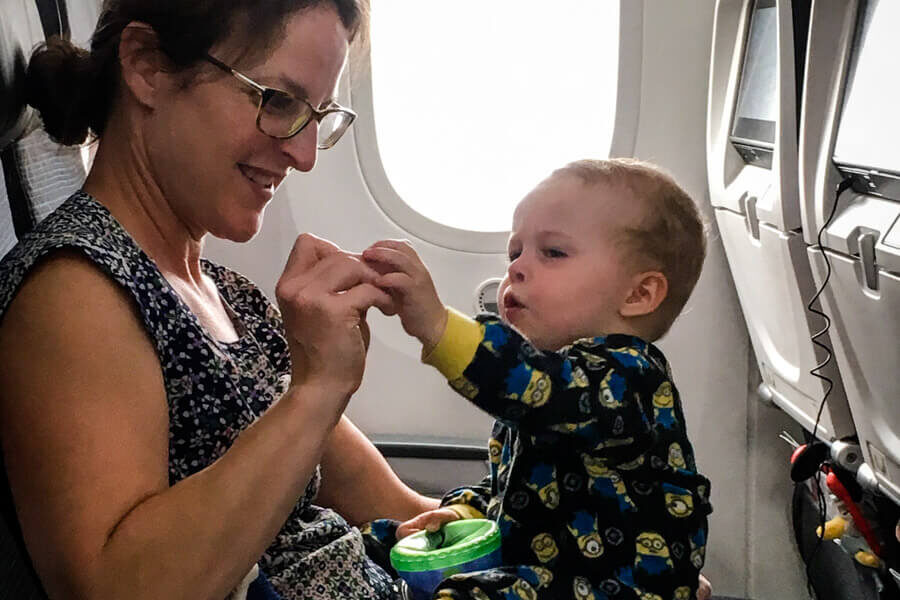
point(851, 133)
point(849, 137)
point(752, 117)
point(38, 175)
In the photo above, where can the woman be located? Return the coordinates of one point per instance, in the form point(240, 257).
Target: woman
point(159, 420)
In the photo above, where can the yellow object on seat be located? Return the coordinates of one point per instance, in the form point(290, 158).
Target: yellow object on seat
point(834, 529)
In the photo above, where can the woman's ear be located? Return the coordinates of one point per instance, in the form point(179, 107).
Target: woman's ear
point(648, 290)
point(142, 62)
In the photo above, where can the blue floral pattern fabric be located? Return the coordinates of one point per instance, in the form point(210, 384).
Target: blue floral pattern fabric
point(214, 389)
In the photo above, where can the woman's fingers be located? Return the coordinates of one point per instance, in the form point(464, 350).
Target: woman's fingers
point(306, 252)
point(338, 273)
point(394, 281)
point(399, 245)
point(365, 295)
point(365, 331)
point(386, 260)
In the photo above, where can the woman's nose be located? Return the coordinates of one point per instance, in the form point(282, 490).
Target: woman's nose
point(303, 147)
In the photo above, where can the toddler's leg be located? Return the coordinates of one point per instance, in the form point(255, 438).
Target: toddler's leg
point(502, 583)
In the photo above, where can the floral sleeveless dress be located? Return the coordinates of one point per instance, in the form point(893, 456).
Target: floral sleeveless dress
point(215, 390)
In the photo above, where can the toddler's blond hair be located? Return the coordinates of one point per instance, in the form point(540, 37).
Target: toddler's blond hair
point(671, 236)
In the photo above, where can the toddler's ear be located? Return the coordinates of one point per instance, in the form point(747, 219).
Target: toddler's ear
point(648, 290)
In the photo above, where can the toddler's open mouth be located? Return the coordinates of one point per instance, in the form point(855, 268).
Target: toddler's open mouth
point(510, 301)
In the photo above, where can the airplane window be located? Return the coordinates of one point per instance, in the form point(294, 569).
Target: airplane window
point(474, 102)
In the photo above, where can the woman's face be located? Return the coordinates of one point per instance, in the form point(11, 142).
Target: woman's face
point(217, 171)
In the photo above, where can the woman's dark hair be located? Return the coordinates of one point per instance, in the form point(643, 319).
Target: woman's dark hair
point(73, 88)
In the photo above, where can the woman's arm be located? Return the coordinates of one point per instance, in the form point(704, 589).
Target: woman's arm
point(359, 483)
point(84, 428)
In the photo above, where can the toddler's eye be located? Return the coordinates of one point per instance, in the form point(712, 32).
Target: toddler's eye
point(554, 253)
point(513, 255)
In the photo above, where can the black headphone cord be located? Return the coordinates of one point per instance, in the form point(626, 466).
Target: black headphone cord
point(843, 186)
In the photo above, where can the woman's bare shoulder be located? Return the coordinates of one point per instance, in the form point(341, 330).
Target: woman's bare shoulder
point(66, 290)
point(69, 311)
point(83, 413)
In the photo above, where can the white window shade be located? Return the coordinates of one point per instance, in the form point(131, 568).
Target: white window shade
point(473, 102)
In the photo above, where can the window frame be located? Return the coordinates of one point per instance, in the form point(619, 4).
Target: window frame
point(627, 111)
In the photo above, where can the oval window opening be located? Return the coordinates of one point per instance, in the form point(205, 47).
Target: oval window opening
point(475, 102)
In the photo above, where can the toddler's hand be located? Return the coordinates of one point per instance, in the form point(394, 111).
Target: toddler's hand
point(407, 280)
point(431, 520)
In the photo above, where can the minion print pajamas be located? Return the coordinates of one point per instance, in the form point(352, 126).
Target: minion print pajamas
point(592, 480)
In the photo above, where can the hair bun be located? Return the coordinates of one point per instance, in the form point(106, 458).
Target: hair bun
point(58, 84)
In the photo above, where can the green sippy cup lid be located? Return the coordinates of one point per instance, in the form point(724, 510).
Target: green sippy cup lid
point(455, 543)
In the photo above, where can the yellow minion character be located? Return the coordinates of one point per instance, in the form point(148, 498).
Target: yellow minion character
point(582, 590)
point(538, 391)
point(594, 362)
point(579, 379)
point(652, 554)
point(545, 576)
point(571, 427)
point(544, 547)
point(649, 596)
point(682, 593)
point(698, 548)
point(607, 482)
point(614, 443)
point(493, 337)
point(664, 406)
point(527, 385)
point(612, 390)
point(446, 594)
point(595, 466)
point(663, 397)
point(679, 501)
point(543, 481)
point(494, 507)
point(464, 497)
point(495, 450)
point(522, 590)
point(701, 491)
point(676, 456)
point(632, 464)
point(630, 357)
point(583, 528)
point(464, 387)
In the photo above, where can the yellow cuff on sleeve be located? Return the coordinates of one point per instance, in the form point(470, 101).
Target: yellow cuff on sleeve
point(457, 346)
point(465, 511)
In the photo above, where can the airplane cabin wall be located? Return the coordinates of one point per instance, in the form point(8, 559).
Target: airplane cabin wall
point(751, 551)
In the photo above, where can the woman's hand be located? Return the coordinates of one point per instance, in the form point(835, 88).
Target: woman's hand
point(430, 521)
point(323, 295)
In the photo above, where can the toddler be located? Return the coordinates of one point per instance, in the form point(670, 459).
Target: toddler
point(592, 482)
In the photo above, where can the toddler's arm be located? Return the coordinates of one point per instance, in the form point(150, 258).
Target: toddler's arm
point(579, 392)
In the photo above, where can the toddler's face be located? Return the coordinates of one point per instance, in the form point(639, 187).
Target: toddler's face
point(567, 275)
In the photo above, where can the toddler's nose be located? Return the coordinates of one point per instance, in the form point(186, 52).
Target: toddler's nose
point(516, 270)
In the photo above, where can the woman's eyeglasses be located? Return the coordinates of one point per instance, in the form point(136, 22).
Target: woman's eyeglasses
point(283, 115)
